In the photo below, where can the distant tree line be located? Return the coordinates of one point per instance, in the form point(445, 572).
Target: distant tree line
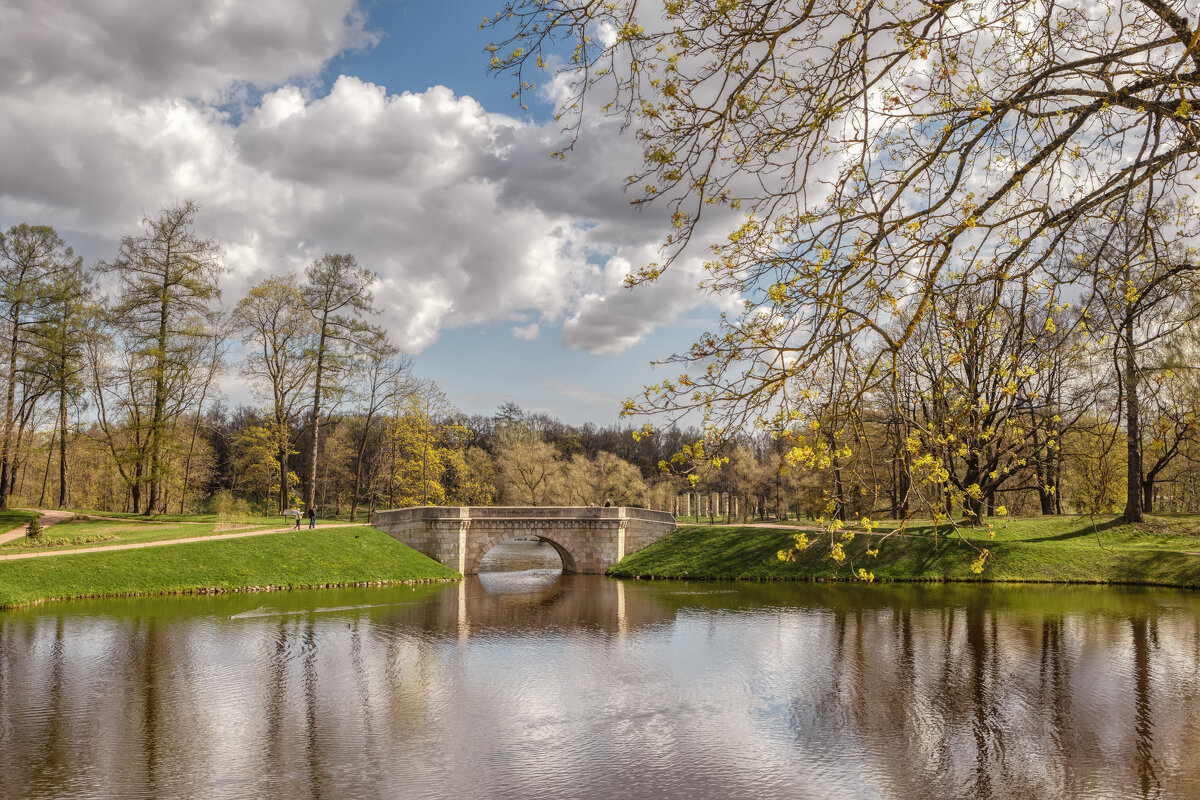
point(110, 380)
point(1015, 397)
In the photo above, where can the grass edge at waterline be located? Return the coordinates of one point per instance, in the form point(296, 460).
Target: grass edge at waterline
point(305, 559)
point(1035, 550)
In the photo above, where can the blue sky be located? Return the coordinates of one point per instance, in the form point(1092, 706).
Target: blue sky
point(310, 126)
point(425, 43)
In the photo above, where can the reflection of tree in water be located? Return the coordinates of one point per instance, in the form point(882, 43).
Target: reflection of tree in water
point(147, 654)
point(895, 692)
point(1054, 690)
point(47, 761)
point(314, 757)
point(975, 701)
point(362, 688)
point(274, 741)
point(1143, 629)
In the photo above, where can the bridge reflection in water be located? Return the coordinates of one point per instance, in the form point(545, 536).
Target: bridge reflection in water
point(587, 687)
point(520, 587)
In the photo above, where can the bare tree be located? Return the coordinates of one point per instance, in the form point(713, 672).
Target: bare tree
point(385, 376)
point(32, 257)
point(336, 292)
point(1143, 292)
point(280, 337)
point(168, 278)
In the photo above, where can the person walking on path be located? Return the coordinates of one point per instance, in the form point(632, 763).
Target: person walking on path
point(312, 517)
point(294, 513)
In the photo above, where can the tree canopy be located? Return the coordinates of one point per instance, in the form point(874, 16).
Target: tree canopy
point(852, 170)
point(880, 155)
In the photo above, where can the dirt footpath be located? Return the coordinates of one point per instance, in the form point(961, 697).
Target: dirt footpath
point(61, 515)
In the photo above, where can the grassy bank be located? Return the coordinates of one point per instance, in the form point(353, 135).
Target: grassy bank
point(337, 556)
point(1063, 549)
point(14, 518)
point(103, 532)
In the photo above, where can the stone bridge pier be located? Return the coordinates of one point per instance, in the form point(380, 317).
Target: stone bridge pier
point(589, 540)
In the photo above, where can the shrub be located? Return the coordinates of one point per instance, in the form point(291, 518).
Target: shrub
point(231, 510)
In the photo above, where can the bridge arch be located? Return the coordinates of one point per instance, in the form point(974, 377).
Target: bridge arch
point(588, 539)
point(486, 542)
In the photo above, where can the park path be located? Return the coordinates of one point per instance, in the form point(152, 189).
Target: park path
point(137, 545)
point(47, 519)
point(53, 516)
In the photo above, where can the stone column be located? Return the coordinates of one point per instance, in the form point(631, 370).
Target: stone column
point(464, 528)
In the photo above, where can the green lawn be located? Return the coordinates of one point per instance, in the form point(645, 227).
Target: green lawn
point(101, 533)
point(1057, 549)
point(155, 518)
point(335, 556)
point(14, 518)
point(169, 517)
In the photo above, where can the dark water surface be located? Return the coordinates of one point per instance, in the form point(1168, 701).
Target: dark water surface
point(535, 684)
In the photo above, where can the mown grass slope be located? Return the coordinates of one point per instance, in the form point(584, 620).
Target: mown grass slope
point(103, 533)
point(335, 556)
point(1165, 552)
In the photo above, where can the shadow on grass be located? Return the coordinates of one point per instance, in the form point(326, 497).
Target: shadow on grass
point(1177, 569)
point(1086, 530)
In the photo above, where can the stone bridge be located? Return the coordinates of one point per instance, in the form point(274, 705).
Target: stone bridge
point(588, 539)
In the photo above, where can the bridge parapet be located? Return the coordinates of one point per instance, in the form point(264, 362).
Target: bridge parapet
point(589, 539)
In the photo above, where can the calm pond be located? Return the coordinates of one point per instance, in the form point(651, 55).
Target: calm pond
point(536, 684)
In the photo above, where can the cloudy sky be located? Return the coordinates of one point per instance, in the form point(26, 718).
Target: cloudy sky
point(310, 126)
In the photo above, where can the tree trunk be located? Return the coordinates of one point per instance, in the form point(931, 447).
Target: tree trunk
point(839, 491)
point(187, 463)
point(6, 447)
point(424, 466)
point(135, 490)
point(1058, 481)
point(1041, 468)
point(283, 474)
point(62, 446)
point(358, 462)
point(17, 464)
point(973, 510)
point(46, 475)
point(311, 489)
point(158, 421)
point(1134, 512)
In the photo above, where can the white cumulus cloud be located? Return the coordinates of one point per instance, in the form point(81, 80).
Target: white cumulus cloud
point(111, 110)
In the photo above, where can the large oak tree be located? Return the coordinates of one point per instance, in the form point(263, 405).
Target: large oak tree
point(866, 161)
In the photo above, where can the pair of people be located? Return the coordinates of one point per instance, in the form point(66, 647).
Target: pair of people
point(312, 517)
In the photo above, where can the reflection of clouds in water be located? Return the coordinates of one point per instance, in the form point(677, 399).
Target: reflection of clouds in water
point(523, 582)
point(515, 555)
point(762, 690)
